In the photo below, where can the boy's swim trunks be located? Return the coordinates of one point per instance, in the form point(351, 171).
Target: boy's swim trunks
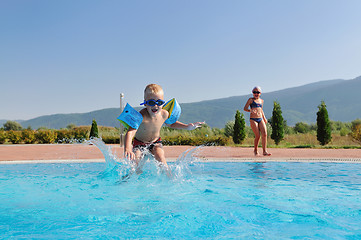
point(149, 146)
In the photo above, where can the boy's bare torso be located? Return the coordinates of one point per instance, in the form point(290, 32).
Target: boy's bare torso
point(149, 129)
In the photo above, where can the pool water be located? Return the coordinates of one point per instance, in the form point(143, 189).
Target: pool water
point(209, 200)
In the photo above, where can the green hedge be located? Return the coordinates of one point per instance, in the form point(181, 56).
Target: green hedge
point(28, 136)
point(111, 139)
point(44, 136)
point(196, 141)
point(80, 134)
point(72, 135)
point(14, 136)
point(3, 137)
point(65, 136)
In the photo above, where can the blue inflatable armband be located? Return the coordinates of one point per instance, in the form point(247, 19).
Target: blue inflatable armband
point(130, 117)
point(174, 110)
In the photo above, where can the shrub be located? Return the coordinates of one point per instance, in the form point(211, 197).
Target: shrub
point(196, 141)
point(203, 131)
point(277, 123)
point(14, 136)
point(46, 136)
point(340, 126)
point(344, 131)
point(111, 139)
point(94, 130)
point(12, 125)
point(302, 127)
point(2, 136)
point(354, 123)
point(239, 133)
point(323, 125)
point(71, 126)
point(81, 133)
point(356, 133)
point(64, 136)
point(356, 130)
point(28, 136)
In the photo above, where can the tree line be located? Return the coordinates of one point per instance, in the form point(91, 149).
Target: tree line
point(234, 131)
point(279, 125)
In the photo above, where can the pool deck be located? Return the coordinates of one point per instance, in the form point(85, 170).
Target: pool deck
point(89, 153)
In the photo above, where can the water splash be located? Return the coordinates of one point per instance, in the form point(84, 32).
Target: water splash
point(122, 169)
point(186, 159)
point(115, 167)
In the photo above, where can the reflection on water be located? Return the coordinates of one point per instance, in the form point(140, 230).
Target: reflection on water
point(258, 169)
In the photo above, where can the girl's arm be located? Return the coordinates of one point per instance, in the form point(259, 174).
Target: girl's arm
point(246, 107)
point(128, 147)
point(264, 116)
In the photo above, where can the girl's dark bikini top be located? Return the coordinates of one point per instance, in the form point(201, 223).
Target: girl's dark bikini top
point(255, 105)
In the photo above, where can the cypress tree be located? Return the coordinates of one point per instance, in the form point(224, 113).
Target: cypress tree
point(323, 125)
point(277, 123)
point(239, 128)
point(94, 130)
point(243, 128)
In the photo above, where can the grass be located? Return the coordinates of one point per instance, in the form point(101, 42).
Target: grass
point(309, 140)
point(300, 140)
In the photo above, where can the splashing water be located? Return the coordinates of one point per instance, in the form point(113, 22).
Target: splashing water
point(121, 169)
point(115, 167)
point(187, 158)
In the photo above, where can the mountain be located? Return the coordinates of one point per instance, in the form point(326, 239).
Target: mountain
point(299, 104)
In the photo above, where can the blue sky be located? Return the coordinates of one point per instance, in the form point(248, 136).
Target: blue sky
point(71, 56)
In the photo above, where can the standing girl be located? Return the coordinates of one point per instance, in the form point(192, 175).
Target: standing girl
point(258, 120)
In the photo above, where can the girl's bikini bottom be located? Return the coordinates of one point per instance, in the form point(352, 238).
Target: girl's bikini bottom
point(258, 120)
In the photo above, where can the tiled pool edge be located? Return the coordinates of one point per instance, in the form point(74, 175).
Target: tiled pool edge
point(260, 160)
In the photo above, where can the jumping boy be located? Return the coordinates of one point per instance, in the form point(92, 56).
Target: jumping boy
point(147, 136)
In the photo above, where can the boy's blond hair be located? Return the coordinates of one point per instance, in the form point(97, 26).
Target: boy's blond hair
point(153, 89)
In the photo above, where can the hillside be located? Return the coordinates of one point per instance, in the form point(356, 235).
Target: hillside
point(299, 104)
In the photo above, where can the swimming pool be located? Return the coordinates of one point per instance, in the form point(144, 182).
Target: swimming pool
point(218, 200)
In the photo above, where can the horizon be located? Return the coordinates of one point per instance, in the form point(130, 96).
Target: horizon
point(23, 120)
point(62, 57)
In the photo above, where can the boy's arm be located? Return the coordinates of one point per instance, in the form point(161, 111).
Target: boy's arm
point(128, 147)
point(189, 126)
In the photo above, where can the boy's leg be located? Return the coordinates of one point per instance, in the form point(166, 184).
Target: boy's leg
point(139, 157)
point(158, 153)
point(138, 164)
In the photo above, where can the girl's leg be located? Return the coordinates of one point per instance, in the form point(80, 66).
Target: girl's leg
point(255, 128)
point(263, 129)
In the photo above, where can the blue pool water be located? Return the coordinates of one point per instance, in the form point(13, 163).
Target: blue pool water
point(222, 200)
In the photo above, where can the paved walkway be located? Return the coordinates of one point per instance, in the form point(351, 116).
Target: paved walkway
point(80, 152)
